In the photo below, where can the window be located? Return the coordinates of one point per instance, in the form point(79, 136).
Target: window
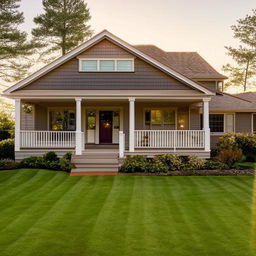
point(216, 122)
point(64, 120)
point(124, 65)
point(89, 65)
point(106, 65)
point(160, 117)
point(220, 123)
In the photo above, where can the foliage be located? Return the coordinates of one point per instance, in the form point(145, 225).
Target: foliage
point(7, 149)
point(62, 26)
point(229, 156)
point(7, 164)
point(67, 156)
point(245, 165)
point(50, 156)
point(135, 163)
point(47, 161)
point(14, 48)
point(65, 164)
point(215, 165)
point(6, 125)
point(173, 162)
point(245, 54)
point(157, 166)
point(192, 162)
point(244, 141)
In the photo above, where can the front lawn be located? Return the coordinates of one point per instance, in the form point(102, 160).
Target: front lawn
point(52, 214)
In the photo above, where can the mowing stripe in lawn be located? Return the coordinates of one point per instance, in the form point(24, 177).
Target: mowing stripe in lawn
point(48, 213)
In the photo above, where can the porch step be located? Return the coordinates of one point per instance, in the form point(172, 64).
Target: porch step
point(96, 162)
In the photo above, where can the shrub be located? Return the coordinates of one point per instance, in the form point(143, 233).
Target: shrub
point(7, 149)
point(33, 162)
point(215, 165)
point(65, 164)
point(192, 162)
point(173, 162)
point(50, 156)
point(230, 157)
point(135, 164)
point(244, 141)
point(158, 166)
point(68, 156)
point(7, 164)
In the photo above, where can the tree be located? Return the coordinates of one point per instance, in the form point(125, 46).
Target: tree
point(244, 72)
point(62, 26)
point(14, 48)
point(6, 120)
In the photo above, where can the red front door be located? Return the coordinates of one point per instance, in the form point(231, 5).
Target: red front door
point(106, 118)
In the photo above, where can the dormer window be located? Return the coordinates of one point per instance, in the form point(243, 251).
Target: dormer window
point(106, 65)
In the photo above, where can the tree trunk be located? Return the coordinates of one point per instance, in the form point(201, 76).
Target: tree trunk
point(246, 75)
point(64, 30)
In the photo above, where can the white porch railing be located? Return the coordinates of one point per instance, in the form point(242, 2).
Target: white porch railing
point(47, 139)
point(169, 139)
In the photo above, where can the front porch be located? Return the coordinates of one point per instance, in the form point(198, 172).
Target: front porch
point(131, 125)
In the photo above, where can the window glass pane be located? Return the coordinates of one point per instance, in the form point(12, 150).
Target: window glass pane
point(107, 65)
point(91, 120)
point(56, 120)
point(216, 122)
point(169, 116)
point(89, 65)
point(116, 119)
point(124, 65)
point(156, 117)
point(147, 117)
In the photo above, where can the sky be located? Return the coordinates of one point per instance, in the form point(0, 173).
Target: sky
point(202, 26)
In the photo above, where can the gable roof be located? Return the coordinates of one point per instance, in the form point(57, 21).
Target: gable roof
point(251, 96)
point(229, 102)
point(94, 40)
point(191, 64)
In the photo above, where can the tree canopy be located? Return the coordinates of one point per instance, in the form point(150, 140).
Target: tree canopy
point(243, 73)
point(14, 47)
point(62, 26)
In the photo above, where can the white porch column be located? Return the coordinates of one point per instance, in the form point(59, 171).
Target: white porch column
point(206, 123)
point(131, 123)
point(17, 124)
point(78, 127)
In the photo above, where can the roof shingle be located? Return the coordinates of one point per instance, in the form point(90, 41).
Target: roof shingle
point(190, 64)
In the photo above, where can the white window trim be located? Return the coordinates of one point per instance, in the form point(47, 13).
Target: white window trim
point(98, 65)
point(224, 114)
point(160, 108)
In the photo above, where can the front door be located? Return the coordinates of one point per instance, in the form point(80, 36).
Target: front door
point(106, 118)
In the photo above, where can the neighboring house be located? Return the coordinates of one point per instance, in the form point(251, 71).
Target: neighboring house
point(107, 99)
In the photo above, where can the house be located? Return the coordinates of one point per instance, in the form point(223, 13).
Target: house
point(107, 99)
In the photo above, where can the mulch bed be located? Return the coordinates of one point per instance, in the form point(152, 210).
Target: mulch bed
point(232, 172)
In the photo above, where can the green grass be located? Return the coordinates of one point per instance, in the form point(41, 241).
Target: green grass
point(52, 214)
point(246, 165)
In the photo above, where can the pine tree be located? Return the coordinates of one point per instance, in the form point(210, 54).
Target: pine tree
point(244, 56)
point(62, 26)
point(14, 48)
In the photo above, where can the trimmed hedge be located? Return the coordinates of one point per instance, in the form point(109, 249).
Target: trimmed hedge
point(7, 149)
point(168, 162)
point(48, 161)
